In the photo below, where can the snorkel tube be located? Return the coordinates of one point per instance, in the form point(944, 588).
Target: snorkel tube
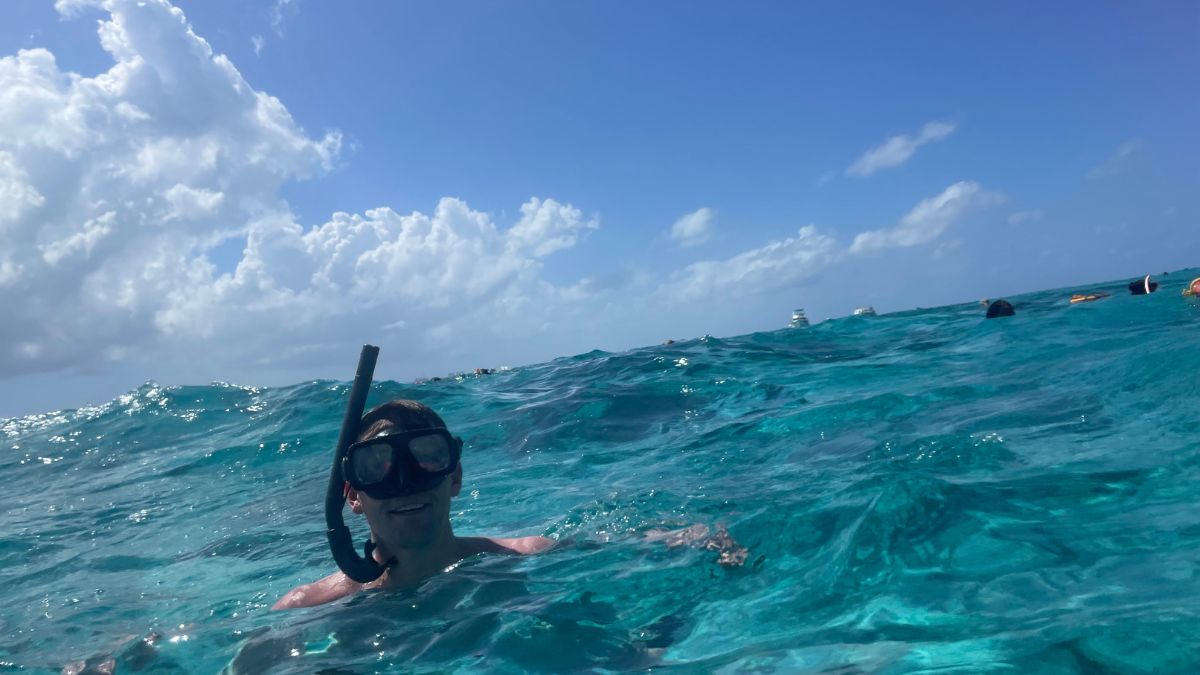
point(359, 568)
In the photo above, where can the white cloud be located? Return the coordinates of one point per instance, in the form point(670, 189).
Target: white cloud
point(17, 196)
point(928, 219)
point(277, 15)
point(258, 42)
point(1114, 164)
point(115, 189)
point(777, 265)
point(898, 149)
point(9, 272)
point(72, 8)
point(787, 262)
point(1031, 216)
point(546, 227)
point(188, 203)
point(377, 270)
point(81, 243)
point(694, 228)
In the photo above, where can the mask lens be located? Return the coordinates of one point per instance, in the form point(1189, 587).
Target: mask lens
point(371, 463)
point(432, 452)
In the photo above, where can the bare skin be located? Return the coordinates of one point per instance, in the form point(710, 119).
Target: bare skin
point(729, 552)
point(414, 531)
point(413, 536)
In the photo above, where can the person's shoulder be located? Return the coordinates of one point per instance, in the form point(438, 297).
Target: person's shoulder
point(332, 587)
point(527, 545)
point(509, 545)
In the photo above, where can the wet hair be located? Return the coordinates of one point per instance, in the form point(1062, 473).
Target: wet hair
point(1000, 308)
point(399, 414)
point(1139, 287)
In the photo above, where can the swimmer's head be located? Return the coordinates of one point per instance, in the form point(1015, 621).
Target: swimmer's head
point(1143, 286)
point(1193, 288)
point(398, 415)
point(1000, 308)
point(410, 520)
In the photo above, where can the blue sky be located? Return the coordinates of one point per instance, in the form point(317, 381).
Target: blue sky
point(822, 155)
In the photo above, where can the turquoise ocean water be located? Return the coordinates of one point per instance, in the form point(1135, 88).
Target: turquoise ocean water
point(924, 491)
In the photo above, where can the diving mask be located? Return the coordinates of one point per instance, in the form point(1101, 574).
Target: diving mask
point(402, 463)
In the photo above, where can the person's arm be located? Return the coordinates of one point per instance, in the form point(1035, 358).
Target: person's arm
point(332, 587)
point(729, 552)
point(517, 545)
point(469, 546)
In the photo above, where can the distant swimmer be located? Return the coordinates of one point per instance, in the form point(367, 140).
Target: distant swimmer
point(1088, 297)
point(1193, 288)
point(1000, 308)
point(1143, 286)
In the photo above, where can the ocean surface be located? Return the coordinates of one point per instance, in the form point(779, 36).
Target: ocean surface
point(926, 491)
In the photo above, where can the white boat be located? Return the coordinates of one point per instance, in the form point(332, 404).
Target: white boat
point(798, 319)
point(865, 311)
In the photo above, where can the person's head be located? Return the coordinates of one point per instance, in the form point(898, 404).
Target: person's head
point(412, 520)
point(1143, 286)
point(1000, 308)
point(1193, 288)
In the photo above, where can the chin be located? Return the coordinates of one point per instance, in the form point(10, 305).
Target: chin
point(412, 537)
point(411, 541)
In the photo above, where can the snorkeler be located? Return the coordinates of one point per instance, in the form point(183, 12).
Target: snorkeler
point(1000, 308)
point(399, 466)
point(1088, 297)
point(401, 475)
point(1143, 286)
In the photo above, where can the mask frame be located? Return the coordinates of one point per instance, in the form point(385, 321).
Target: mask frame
point(404, 475)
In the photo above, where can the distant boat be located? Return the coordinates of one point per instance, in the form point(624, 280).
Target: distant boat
point(865, 311)
point(798, 319)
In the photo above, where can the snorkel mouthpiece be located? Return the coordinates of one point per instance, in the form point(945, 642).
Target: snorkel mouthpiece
point(359, 568)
